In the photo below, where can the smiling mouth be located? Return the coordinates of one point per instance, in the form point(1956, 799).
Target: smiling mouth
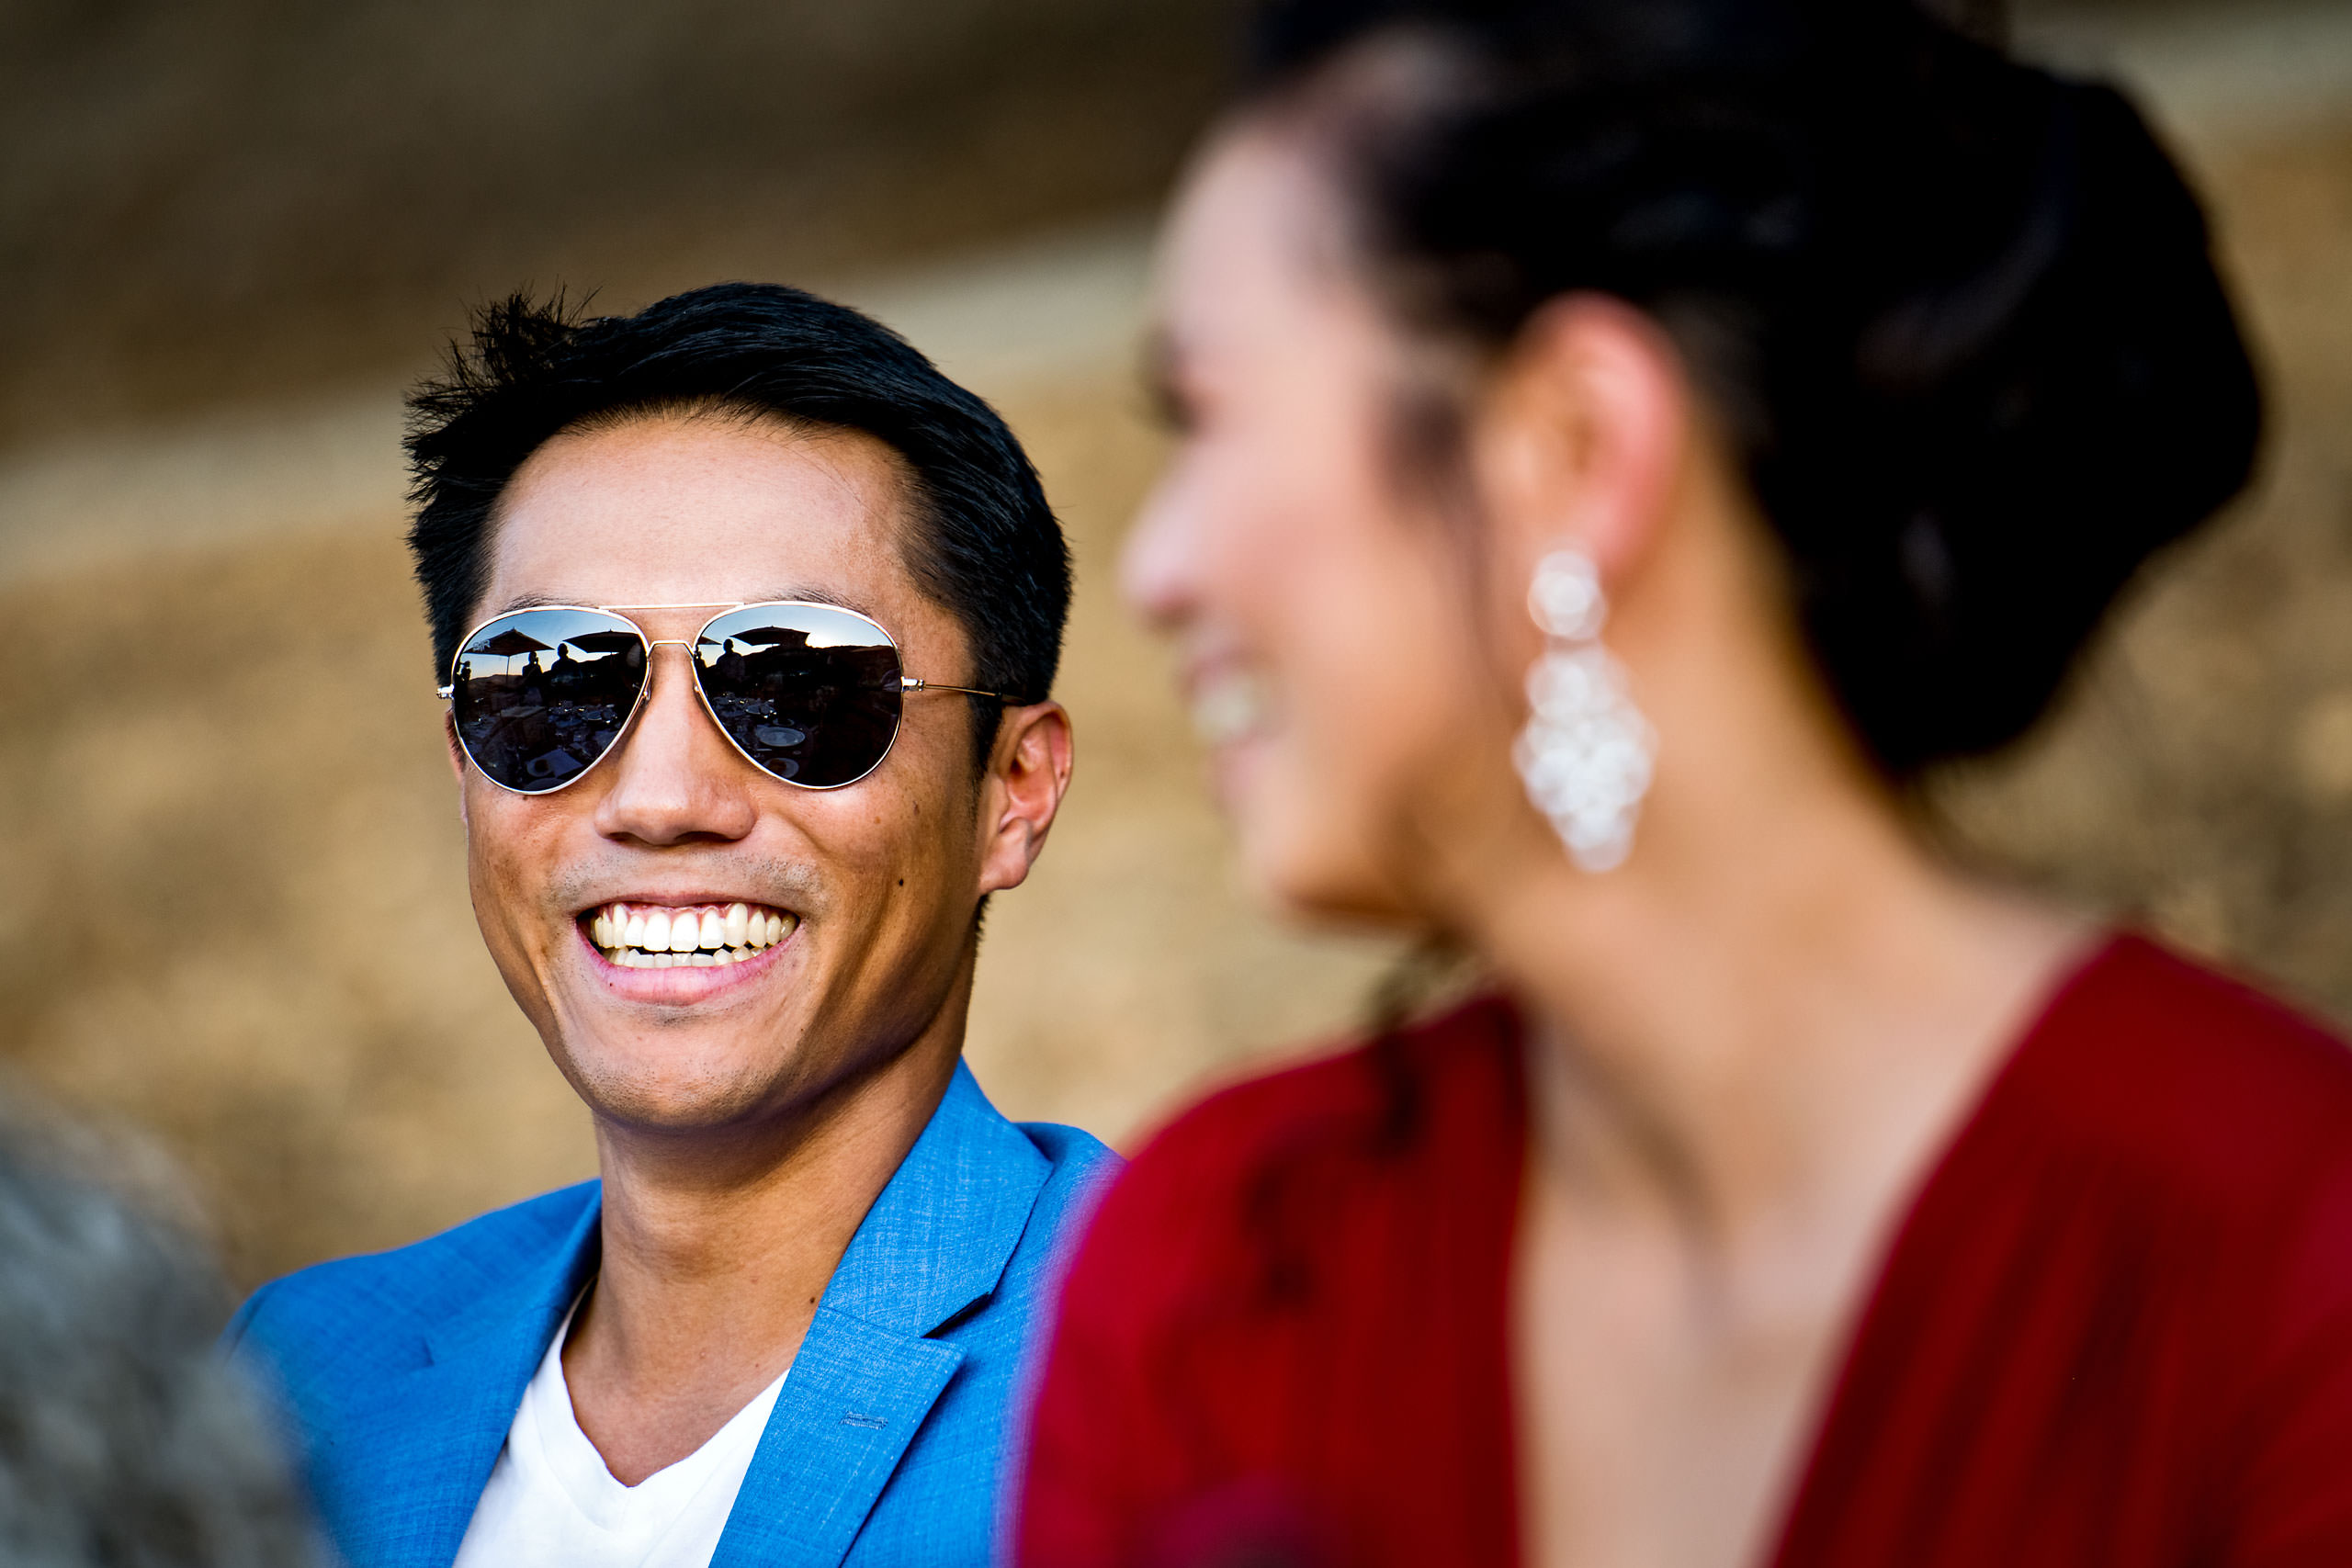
point(697, 936)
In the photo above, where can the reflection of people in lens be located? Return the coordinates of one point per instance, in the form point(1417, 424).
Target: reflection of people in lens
point(541, 720)
point(788, 1323)
point(783, 697)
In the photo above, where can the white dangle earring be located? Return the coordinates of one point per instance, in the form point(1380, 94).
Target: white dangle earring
point(1585, 755)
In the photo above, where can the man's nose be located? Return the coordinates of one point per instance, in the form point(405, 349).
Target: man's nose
point(675, 778)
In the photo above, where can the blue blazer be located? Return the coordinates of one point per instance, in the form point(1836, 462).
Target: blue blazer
point(401, 1372)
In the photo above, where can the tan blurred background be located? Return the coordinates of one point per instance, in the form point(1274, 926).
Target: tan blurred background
point(231, 894)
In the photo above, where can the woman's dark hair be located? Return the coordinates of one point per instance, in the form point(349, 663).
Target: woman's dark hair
point(1957, 314)
point(981, 541)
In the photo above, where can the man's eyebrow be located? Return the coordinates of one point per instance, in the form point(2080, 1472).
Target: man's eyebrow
point(801, 594)
point(530, 602)
point(819, 596)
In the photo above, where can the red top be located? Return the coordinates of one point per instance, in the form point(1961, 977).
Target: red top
point(2114, 1329)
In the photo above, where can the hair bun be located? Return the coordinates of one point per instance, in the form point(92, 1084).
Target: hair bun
point(1959, 314)
point(2025, 437)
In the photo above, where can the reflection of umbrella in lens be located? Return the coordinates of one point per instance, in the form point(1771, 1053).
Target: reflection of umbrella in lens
point(769, 636)
point(508, 644)
point(604, 642)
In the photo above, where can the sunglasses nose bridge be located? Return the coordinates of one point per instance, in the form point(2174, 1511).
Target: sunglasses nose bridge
point(697, 692)
point(693, 667)
point(656, 690)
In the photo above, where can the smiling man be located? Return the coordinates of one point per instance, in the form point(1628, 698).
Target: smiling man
point(747, 618)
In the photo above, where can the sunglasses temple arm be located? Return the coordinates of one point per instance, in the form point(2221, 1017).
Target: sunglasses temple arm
point(911, 683)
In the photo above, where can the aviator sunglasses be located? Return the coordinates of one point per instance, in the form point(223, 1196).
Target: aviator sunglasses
point(809, 694)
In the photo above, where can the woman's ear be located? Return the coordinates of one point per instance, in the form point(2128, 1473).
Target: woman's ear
point(1580, 437)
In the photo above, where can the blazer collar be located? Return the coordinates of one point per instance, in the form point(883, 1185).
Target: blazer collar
point(934, 1244)
point(938, 1238)
point(437, 1429)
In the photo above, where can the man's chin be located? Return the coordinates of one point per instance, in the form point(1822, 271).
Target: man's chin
point(681, 1099)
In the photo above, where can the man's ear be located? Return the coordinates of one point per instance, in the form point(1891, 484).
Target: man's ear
point(1028, 774)
point(457, 760)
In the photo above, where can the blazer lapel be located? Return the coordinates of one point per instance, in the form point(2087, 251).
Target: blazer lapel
point(424, 1444)
point(847, 1412)
point(935, 1244)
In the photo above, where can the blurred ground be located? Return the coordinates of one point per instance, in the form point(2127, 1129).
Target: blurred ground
point(235, 912)
point(210, 201)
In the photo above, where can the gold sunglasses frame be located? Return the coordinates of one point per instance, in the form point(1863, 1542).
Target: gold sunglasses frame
point(907, 683)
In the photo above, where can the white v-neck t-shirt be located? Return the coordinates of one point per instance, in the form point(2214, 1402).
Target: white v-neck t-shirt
point(551, 1503)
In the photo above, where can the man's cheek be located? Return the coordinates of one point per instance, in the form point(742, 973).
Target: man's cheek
point(500, 908)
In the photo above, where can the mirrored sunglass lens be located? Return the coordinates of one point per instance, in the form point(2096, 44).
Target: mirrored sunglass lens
point(809, 694)
point(538, 695)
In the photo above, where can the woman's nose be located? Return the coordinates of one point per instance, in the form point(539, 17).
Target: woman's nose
point(1157, 567)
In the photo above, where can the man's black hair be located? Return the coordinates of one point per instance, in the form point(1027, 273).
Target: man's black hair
point(980, 539)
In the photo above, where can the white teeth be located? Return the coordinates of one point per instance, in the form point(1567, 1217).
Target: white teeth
point(706, 938)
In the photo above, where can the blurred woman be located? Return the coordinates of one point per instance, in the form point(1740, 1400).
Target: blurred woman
point(1622, 444)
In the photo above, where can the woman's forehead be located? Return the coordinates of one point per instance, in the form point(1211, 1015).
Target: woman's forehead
point(1256, 251)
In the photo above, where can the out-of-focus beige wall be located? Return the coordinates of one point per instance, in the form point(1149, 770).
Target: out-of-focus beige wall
point(234, 912)
point(236, 200)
